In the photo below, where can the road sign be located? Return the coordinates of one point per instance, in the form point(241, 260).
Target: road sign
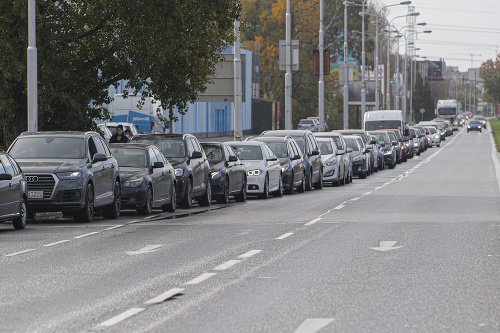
point(422, 110)
point(294, 56)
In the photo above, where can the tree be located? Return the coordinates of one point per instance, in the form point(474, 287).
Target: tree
point(166, 49)
point(490, 72)
point(422, 99)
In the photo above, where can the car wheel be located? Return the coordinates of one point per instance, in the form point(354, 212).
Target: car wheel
point(224, 198)
point(148, 204)
point(206, 199)
point(187, 200)
point(309, 182)
point(20, 221)
point(302, 187)
point(363, 175)
point(279, 192)
point(173, 200)
point(290, 187)
point(87, 214)
point(265, 193)
point(113, 211)
point(242, 196)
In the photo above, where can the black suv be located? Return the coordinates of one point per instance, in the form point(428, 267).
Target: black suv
point(192, 170)
point(72, 172)
point(13, 192)
point(311, 153)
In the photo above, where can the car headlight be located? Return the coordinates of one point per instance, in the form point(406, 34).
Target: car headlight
point(133, 182)
point(69, 175)
point(330, 163)
point(468, 126)
point(215, 175)
point(357, 158)
point(415, 144)
point(479, 126)
point(387, 152)
point(178, 172)
point(256, 172)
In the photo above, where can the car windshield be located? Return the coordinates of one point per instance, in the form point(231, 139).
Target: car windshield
point(447, 111)
point(278, 148)
point(474, 122)
point(432, 130)
point(479, 118)
point(48, 147)
point(213, 152)
point(382, 124)
point(381, 137)
point(392, 136)
point(325, 145)
point(170, 147)
point(300, 142)
point(248, 152)
point(130, 157)
point(352, 143)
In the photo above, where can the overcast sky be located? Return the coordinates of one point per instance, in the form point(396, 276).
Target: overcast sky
point(459, 28)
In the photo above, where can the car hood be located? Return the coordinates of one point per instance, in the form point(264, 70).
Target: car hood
point(284, 161)
point(356, 153)
point(176, 162)
point(217, 166)
point(254, 164)
point(326, 158)
point(50, 165)
point(127, 173)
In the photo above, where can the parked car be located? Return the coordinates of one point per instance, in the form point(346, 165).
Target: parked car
point(439, 129)
point(292, 162)
point(380, 154)
point(126, 127)
point(344, 152)
point(416, 143)
point(360, 158)
point(388, 149)
point(475, 125)
point(13, 192)
point(367, 141)
point(262, 166)
point(310, 151)
point(456, 124)
point(104, 131)
point(72, 172)
point(435, 136)
point(308, 124)
point(147, 178)
point(397, 148)
point(333, 161)
point(229, 177)
point(446, 124)
point(482, 120)
point(192, 170)
point(426, 136)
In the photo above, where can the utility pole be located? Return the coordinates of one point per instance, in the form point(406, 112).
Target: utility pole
point(288, 74)
point(238, 123)
point(321, 83)
point(32, 69)
point(346, 78)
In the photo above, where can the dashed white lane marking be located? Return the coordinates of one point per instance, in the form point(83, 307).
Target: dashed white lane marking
point(313, 221)
point(340, 206)
point(201, 278)
point(355, 199)
point(226, 265)
point(288, 234)
point(115, 227)
point(313, 325)
point(20, 252)
point(121, 317)
point(249, 254)
point(57, 243)
point(166, 295)
point(89, 234)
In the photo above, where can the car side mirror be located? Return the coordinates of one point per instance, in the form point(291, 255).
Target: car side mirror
point(349, 150)
point(296, 157)
point(373, 142)
point(5, 176)
point(157, 165)
point(382, 145)
point(272, 158)
point(367, 151)
point(340, 152)
point(394, 143)
point(99, 157)
point(315, 153)
point(233, 158)
point(196, 154)
point(401, 140)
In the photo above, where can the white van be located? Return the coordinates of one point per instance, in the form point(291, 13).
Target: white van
point(384, 119)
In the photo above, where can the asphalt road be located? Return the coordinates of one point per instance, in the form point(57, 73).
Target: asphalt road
point(414, 249)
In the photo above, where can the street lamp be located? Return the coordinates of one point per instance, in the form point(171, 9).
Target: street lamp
point(346, 89)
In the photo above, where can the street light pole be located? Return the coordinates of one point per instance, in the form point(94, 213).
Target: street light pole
point(321, 83)
point(238, 123)
point(288, 74)
point(346, 89)
point(363, 71)
point(32, 69)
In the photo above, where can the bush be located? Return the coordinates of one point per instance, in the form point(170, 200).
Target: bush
point(495, 127)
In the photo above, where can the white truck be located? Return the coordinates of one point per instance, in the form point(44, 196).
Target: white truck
point(384, 119)
point(447, 109)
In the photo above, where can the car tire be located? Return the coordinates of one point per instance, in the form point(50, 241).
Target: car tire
point(20, 221)
point(187, 200)
point(363, 175)
point(148, 204)
point(242, 196)
point(113, 211)
point(170, 208)
point(279, 192)
point(392, 166)
point(206, 199)
point(265, 193)
point(319, 184)
point(87, 213)
point(309, 185)
point(290, 187)
point(302, 187)
point(224, 198)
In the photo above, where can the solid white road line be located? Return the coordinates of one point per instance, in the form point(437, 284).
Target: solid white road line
point(249, 254)
point(339, 207)
point(226, 265)
point(495, 159)
point(201, 278)
point(115, 227)
point(121, 317)
point(313, 325)
point(166, 295)
point(313, 221)
point(89, 234)
point(20, 252)
point(57, 243)
point(285, 235)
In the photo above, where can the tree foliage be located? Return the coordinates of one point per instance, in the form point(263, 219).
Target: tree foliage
point(165, 48)
point(490, 72)
point(422, 99)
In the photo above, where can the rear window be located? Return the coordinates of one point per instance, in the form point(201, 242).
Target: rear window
point(306, 122)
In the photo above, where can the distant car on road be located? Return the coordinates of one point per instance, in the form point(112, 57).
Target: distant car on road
point(126, 126)
point(308, 124)
point(13, 192)
point(482, 120)
point(475, 125)
point(147, 178)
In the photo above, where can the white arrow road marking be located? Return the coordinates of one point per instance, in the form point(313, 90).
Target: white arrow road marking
point(145, 249)
point(312, 325)
point(386, 246)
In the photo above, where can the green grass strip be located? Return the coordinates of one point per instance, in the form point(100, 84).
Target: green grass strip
point(495, 127)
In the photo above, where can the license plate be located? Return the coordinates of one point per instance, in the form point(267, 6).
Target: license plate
point(35, 194)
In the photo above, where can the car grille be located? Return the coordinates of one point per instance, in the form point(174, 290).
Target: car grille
point(43, 183)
